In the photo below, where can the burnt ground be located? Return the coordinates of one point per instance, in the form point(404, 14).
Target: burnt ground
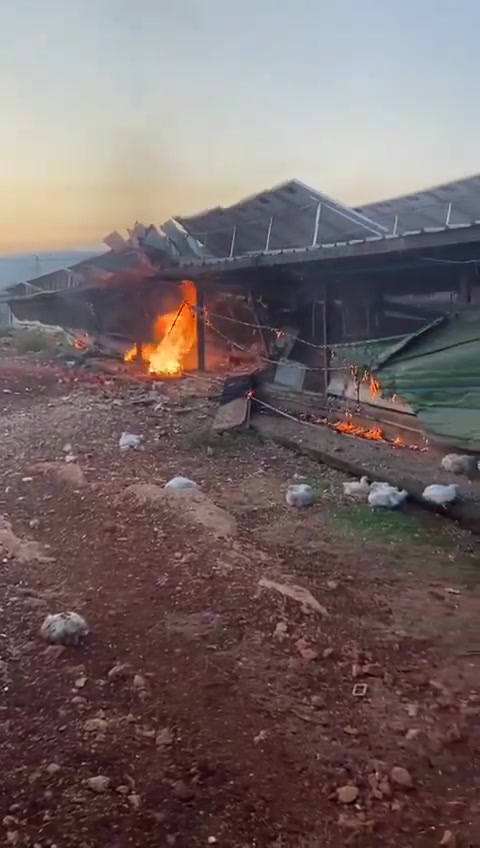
point(232, 718)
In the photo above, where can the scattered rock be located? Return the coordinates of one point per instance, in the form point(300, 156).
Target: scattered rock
point(34, 523)
point(448, 840)
point(71, 475)
point(95, 725)
point(99, 784)
point(9, 821)
point(182, 791)
point(79, 702)
point(123, 790)
point(296, 593)
point(12, 837)
point(332, 585)
point(385, 787)
point(118, 671)
point(347, 794)
point(327, 653)
point(139, 682)
point(280, 631)
point(135, 801)
point(317, 702)
point(165, 737)
point(80, 682)
point(306, 652)
point(52, 769)
point(402, 777)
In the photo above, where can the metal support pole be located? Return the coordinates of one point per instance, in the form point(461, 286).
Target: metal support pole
point(395, 226)
point(316, 225)
point(232, 244)
point(200, 313)
point(269, 232)
point(449, 215)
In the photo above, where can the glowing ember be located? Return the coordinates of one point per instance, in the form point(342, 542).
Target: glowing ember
point(175, 335)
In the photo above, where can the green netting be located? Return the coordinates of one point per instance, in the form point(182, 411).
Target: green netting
point(436, 371)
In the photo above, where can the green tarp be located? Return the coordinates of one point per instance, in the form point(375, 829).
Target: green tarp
point(436, 371)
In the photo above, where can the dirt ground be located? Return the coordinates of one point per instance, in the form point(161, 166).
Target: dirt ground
point(213, 709)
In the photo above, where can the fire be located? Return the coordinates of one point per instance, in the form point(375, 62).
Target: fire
point(375, 434)
point(175, 335)
point(374, 387)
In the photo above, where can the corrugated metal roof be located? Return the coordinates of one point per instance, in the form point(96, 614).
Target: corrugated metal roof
point(283, 217)
point(452, 203)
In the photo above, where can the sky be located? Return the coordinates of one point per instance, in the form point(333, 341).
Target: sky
point(113, 111)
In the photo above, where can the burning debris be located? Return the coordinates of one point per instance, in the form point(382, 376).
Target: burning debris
point(175, 335)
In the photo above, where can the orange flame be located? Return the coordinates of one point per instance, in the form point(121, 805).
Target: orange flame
point(375, 434)
point(175, 335)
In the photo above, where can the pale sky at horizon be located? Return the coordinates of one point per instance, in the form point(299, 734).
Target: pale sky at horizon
point(112, 111)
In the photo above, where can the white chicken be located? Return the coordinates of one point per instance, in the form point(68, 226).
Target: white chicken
point(300, 495)
point(64, 628)
point(385, 496)
point(440, 495)
point(357, 487)
point(461, 464)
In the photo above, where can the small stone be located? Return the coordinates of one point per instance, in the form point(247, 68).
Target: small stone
point(280, 631)
point(139, 682)
point(182, 791)
point(12, 837)
point(351, 731)
point(135, 801)
point(79, 702)
point(123, 790)
point(347, 794)
point(327, 653)
point(412, 734)
point(165, 737)
point(402, 777)
point(448, 840)
point(95, 725)
point(119, 671)
point(52, 769)
point(34, 523)
point(332, 585)
point(318, 702)
point(99, 784)
point(306, 652)
point(211, 840)
point(80, 682)
point(9, 821)
point(385, 787)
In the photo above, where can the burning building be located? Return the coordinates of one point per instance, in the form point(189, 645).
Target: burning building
point(312, 292)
